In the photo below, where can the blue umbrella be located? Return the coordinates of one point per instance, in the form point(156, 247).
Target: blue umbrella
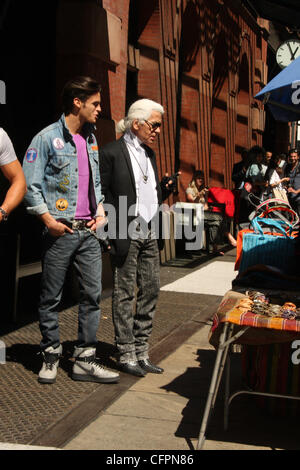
point(282, 93)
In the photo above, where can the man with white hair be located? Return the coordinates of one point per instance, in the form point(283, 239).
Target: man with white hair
point(130, 184)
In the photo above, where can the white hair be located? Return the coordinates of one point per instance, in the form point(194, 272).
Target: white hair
point(140, 110)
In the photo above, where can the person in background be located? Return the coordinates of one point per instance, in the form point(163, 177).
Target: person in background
point(292, 171)
point(282, 164)
point(256, 171)
point(12, 171)
point(238, 177)
point(268, 156)
point(276, 183)
point(239, 170)
point(221, 207)
point(216, 203)
point(196, 190)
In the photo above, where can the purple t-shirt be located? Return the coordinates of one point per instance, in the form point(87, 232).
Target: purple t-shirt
point(83, 210)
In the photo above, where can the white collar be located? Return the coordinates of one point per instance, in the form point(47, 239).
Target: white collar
point(131, 139)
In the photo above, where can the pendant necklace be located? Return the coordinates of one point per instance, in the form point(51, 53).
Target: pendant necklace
point(145, 175)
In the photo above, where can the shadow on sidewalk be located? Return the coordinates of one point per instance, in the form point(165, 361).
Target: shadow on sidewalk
point(249, 423)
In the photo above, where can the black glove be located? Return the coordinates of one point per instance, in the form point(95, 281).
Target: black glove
point(105, 244)
point(169, 183)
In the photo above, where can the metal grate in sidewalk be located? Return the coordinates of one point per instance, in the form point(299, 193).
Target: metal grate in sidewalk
point(27, 408)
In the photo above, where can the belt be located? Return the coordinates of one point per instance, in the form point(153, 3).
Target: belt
point(78, 224)
point(140, 226)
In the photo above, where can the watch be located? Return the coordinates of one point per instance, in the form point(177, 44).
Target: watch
point(4, 214)
point(287, 52)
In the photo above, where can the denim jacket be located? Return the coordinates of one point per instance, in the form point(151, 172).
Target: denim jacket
point(51, 171)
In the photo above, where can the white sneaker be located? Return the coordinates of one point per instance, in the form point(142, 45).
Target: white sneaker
point(87, 369)
point(48, 372)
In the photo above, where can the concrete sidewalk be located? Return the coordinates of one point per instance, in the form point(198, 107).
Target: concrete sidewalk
point(164, 412)
point(160, 412)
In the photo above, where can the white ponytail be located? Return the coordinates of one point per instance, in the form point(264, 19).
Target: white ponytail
point(140, 110)
point(121, 127)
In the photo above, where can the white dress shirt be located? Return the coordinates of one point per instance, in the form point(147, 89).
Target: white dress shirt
point(137, 154)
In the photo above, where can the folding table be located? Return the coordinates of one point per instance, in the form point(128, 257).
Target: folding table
point(231, 326)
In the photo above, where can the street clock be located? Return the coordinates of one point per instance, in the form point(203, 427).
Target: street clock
point(287, 52)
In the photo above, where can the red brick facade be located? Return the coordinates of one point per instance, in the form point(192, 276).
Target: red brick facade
point(204, 60)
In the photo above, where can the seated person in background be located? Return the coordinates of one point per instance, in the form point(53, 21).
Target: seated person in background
point(218, 206)
point(275, 182)
point(196, 190)
point(256, 170)
point(220, 210)
point(292, 171)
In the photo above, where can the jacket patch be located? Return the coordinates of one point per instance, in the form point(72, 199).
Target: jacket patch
point(58, 143)
point(31, 155)
point(61, 204)
point(64, 183)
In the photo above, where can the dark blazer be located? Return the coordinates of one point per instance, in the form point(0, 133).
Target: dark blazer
point(117, 179)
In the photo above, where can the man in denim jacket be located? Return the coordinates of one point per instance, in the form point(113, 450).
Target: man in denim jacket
point(64, 192)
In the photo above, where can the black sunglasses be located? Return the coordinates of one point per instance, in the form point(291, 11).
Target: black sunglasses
point(153, 125)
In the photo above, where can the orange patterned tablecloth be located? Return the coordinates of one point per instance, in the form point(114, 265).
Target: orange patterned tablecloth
point(264, 329)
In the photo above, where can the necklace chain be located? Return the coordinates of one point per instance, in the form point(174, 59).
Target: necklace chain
point(145, 174)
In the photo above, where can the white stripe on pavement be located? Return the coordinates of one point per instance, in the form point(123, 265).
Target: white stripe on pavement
point(8, 446)
point(213, 279)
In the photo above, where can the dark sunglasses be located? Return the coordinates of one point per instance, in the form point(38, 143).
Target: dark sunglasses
point(153, 125)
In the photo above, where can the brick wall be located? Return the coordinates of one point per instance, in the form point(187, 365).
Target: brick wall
point(198, 60)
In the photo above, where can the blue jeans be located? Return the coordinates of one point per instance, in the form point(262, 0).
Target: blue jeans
point(82, 248)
